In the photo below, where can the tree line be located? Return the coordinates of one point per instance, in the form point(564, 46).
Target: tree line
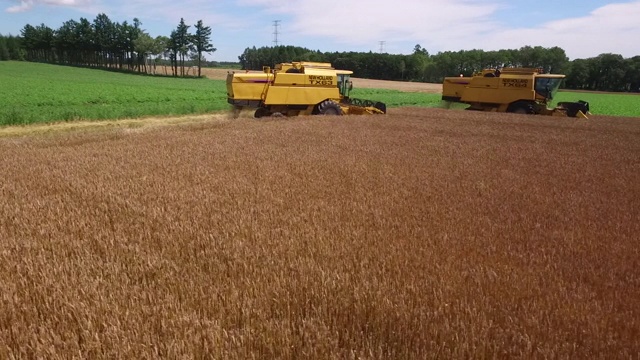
point(606, 72)
point(11, 48)
point(104, 43)
point(107, 44)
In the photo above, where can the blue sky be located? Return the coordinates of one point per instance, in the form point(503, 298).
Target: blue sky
point(584, 28)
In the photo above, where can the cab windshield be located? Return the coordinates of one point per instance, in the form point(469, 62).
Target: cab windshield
point(547, 87)
point(344, 84)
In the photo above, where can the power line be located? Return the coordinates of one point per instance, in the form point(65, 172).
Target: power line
point(382, 46)
point(276, 25)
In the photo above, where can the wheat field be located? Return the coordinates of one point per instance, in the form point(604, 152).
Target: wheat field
point(421, 234)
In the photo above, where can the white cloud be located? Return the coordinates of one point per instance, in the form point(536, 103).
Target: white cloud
point(613, 28)
point(458, 24)
point(343, 25)
point(368, 21)
point(25, 5)
point(212, 13)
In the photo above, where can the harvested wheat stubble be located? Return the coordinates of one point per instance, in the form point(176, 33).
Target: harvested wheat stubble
point(423, 233)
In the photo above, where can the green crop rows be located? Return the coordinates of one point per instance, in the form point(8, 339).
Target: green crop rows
point(395, 98)
point(606, 104)
point(32, 93)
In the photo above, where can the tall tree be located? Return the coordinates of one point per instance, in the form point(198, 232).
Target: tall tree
point(86, 42)
point(161, 50)
point(633, 73)
point(66, 43)
point(416, 64)
point(182, 40)
point(608, 71)
point(104, 32)
point(144, 46)
point(28, 33)
point(202, 42)
point(578, 75)
point(173, 48)
point(4, 50)
point(129, 35)
point(44, 37)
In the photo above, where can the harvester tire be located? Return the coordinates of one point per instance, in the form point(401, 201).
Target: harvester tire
point(329, 107)
point(261, 112)
point(381, 106)
point(521, 107)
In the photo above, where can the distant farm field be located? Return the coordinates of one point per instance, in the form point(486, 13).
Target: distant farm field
point(421, 234)
point(41, 93)
point(44, 93)
point(606, 103)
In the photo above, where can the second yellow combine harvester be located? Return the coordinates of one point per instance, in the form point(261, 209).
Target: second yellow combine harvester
point(516, 90)
point(298, 88)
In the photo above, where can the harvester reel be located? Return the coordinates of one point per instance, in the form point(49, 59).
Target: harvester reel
point(366, 103)
point(575, 108)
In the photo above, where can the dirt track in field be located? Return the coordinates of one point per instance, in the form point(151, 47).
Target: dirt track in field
point(422, 233)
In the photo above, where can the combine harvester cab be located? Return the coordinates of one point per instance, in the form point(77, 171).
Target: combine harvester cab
point(515, 90)
point(298, 88)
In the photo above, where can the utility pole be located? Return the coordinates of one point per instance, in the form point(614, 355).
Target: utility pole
point(382, 46)
point(276, 25)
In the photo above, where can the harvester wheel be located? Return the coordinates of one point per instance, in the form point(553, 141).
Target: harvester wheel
point(520, 107)
point(329, 107)
point(381, 106)
point(261, 112)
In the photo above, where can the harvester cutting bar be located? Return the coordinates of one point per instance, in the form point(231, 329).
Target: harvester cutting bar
point(575, 109)
point(365, 103)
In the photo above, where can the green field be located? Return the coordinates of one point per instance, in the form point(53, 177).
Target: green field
point(606, 104)
point(41, 93)
point(600, 104)
point(34, 92)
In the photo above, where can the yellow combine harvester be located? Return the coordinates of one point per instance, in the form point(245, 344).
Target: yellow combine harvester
point(298, 88)
point(516, 90)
